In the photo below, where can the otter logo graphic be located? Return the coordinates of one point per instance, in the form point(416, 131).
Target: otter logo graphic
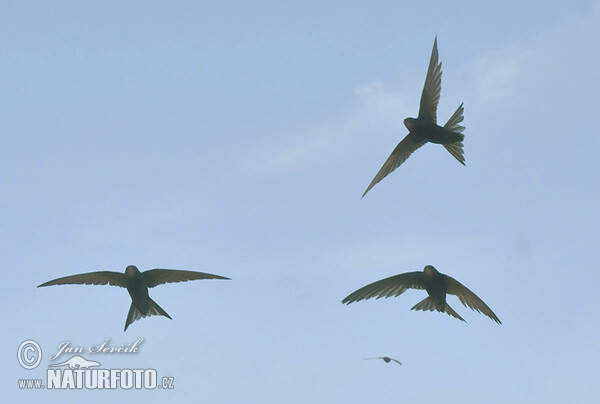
point(78, 362)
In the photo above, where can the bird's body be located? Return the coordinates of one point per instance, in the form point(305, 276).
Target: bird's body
point(437, 286)
point(424, 128)
point(141, 304)
point(137, 289)
point(137, 284)
point(432, 133)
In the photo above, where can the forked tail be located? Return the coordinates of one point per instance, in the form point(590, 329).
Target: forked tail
point(453, 125)
point(153, 310)
point(428, 305)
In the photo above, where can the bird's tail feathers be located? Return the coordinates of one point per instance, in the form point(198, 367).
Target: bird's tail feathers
point(456, 118)
point(456, 137)
point(450, 311)
point(153, 310)
point(427, 304)
point(456, 150)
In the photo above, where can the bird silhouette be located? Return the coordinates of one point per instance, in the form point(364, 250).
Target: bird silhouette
point(386, 359)
point(424, 128)
point(435, 283)
point(137, 284)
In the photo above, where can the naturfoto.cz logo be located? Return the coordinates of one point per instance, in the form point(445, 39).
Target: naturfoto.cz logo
point(78, 373)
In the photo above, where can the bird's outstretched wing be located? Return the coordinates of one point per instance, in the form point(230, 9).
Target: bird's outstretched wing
point(404, 149)
point(432, 88)
point(392, 286)
point(397, 361)
point(468, 298)
point(91, 278)
point(155, 277)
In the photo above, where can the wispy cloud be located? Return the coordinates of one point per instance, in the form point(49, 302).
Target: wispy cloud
point(555, 60)
point(377, 107)
point(497, 73)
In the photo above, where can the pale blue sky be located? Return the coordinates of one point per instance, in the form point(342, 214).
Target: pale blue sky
point(237, 138)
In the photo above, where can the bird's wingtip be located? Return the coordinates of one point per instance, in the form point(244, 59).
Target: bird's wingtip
point(368, 189)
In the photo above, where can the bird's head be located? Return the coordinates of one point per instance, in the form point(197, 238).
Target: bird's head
point(131, 271)
point(430, 270)
point(410, 123)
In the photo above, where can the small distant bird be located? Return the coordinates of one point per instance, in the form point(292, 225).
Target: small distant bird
point(137, 284)
point(386, 359)
point(425, 128)
point(435, 283)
